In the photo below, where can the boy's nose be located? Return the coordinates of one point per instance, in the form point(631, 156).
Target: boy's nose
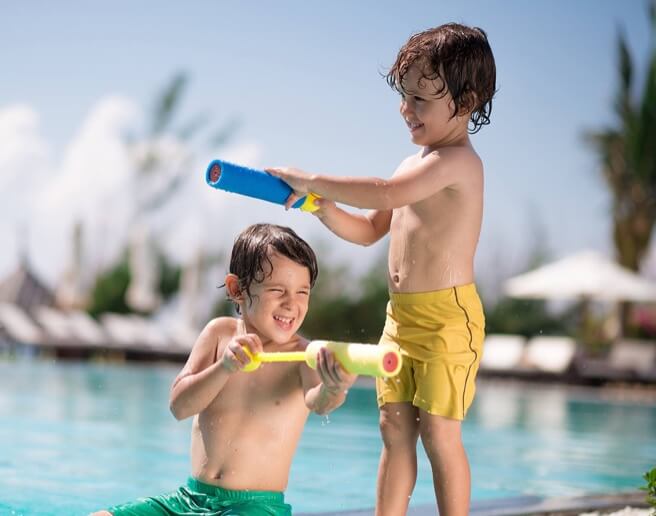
point(405, 107)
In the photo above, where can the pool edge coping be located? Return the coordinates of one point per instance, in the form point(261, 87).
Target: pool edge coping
point(527, 506)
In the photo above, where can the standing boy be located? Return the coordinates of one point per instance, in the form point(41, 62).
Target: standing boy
point(247, 425)
point(432, 207)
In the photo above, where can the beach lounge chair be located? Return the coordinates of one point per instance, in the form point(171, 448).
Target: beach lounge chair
point(502, 352)
point(551, 354)
point(138, 336)
point(87, 331)
point(628, 360)
point(123, 332)
point(17, 326)
point(56, 327)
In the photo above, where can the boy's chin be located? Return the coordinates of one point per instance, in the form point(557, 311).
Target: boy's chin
point(281, 337)
point(417, 139)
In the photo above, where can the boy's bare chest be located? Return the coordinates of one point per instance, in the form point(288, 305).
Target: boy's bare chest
point(427, 214)
point(272, 385)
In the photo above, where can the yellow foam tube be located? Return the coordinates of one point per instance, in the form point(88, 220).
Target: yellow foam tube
point(361, 359)
point(308, 204)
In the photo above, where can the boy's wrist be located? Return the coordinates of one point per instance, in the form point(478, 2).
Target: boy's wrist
point(332, 390)
point(225, 366)
point(312, 182)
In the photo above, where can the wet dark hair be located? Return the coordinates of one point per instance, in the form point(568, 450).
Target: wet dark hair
point(461, 58)
point(253, 247)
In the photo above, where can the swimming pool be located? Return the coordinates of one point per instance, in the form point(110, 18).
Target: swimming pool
point(77, 437)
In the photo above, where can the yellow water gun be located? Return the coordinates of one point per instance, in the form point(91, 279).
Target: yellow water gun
point(361, 359)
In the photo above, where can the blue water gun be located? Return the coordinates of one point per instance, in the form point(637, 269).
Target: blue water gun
point(258, 184)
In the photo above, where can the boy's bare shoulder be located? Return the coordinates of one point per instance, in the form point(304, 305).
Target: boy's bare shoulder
point(221, 326)
point(455, 157)
point(460, 157)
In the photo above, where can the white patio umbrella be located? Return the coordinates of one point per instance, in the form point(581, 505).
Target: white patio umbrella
point(585, 275)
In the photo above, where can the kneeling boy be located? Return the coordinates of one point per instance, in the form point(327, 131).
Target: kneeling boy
point(247, 425)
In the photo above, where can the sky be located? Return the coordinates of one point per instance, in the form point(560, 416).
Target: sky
point(304, 80)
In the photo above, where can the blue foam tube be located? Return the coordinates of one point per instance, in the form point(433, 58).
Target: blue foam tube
point(250, 182)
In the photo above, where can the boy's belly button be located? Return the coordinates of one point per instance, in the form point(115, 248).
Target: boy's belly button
point(396, 278)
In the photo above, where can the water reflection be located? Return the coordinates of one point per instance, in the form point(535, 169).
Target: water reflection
point(92, 434)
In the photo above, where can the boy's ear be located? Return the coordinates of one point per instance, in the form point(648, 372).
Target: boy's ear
point(468, 104)
point(233, 289)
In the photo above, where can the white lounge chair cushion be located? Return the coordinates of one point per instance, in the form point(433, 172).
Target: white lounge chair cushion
point(502, 352)
point(633, 355)
point(551, 354)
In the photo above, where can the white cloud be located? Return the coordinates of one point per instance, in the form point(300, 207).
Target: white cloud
point(89, 186)
point(96, 183)
point(23, 151)
point(25, 166)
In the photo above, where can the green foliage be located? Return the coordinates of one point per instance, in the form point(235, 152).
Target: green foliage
point(526, 317)
point(108, 293)
point(169, 280)
point(224, 307)
point(334, 314)
point(650, 488)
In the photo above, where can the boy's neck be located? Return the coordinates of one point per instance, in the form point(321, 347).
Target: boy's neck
point(453, 140)
point(458, 136)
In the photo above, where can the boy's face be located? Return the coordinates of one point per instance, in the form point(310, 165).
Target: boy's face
point(278, 304)
point(427, 111)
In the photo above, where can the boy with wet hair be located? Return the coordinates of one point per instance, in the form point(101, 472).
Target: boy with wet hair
point(432, 207)
point(247, 425)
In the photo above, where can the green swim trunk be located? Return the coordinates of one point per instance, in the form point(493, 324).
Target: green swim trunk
point(209, 500)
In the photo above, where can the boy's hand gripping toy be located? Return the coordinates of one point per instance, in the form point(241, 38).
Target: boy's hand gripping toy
point(254, 183)
point(366, 359)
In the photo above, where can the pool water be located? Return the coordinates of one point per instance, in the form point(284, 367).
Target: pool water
point(78, 437)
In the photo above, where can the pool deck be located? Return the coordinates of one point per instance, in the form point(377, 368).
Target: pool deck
point(527, 505)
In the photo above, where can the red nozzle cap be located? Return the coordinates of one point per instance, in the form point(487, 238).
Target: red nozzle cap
point(390, 362)
point(215, 173)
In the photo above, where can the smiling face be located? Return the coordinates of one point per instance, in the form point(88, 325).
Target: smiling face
point(277, 305)
point(427, 109)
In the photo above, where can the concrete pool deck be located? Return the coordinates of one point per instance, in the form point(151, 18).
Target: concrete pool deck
point(528, 506)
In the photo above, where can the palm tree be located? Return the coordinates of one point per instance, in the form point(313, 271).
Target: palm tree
point(163, 161)
point(163, 158)
point(148, 150)
point(627, 153)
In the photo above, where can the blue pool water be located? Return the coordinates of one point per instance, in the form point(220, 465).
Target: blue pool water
point(78, 437)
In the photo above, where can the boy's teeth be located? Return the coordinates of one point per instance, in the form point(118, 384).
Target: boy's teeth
point(285, 320)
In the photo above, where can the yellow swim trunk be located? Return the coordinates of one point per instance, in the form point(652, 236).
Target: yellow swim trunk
point(440, 336)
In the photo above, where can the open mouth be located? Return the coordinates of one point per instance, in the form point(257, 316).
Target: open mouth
point(285, 323)
point(414, 126)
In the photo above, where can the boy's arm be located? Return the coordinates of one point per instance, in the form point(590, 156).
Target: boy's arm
point(415, 182)
point(209, 367)
point(325, 389)
point(359, 229)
